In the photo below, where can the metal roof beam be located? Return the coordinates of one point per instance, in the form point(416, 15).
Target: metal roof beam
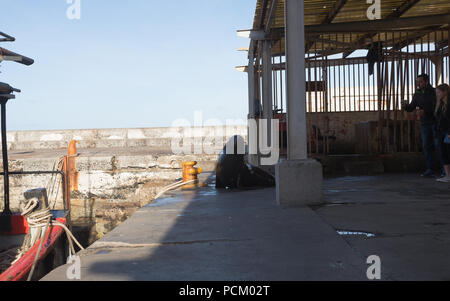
point(401, 10)
point(6, 38)
point(383, 25)
point(263, 14)
point(411, 39)
point(273, 7)
point(338, 5)
point(257, 35)
point(6, 55)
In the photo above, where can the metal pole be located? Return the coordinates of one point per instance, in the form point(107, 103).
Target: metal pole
point(5, 157)
point(267, 89)
point(251, 86)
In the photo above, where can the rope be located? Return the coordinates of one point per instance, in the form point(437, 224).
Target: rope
point(36, 222)
point(36, 258)
point(172, 187)
point(53, 181)
point(39, 223)
point(12, 255)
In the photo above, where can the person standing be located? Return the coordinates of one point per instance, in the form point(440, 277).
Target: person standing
point(442, 114)
point(424, 103)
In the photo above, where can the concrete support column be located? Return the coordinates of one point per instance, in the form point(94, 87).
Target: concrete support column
point(299, 179)
point(296, 80)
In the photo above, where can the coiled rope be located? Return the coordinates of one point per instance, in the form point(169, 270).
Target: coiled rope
point(10, 256)
point(38, 223)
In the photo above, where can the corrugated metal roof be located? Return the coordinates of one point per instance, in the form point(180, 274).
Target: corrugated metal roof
point(338, 11)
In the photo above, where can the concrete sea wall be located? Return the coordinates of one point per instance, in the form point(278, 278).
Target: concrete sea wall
point(120, 138)
point(119, 170)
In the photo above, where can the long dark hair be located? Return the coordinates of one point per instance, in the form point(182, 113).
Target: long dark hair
point(446, 90)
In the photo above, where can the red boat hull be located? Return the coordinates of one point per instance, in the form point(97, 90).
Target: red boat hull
point(20, 270)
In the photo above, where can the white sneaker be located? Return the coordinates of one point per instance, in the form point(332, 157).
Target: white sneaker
point(445, 179)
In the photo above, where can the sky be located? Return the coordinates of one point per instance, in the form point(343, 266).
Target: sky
point(125, 64)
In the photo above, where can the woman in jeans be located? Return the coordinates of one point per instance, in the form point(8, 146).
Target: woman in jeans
point(442, 113)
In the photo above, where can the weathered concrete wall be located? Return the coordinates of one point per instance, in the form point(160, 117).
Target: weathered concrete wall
point(106, 138)
point(119, 170)
point(110, 188)
point(342, 126)
point(115, 178)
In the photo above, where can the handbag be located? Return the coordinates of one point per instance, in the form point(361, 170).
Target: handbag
point(447, 139)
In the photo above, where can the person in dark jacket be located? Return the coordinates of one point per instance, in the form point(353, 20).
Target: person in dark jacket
point(424, 102)
point(442, 114)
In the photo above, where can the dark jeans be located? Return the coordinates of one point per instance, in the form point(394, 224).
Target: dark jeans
point(445, 148)
point(431, 142)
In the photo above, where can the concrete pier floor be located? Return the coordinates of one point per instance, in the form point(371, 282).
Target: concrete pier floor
point(243, 235)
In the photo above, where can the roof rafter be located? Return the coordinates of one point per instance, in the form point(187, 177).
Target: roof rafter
point(6, 37)
point(271, 14)
point(411, 39)
point(400, 11)
point(419, 23)
point(263, 13)
point(338, 5)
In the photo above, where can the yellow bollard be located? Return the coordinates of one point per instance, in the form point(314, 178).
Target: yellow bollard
point(190, 173)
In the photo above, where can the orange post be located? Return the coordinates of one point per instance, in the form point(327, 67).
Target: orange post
point(68, 167)
point(72, 168)
point(190, 172)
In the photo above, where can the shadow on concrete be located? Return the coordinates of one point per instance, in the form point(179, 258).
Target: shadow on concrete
point(212, 234)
